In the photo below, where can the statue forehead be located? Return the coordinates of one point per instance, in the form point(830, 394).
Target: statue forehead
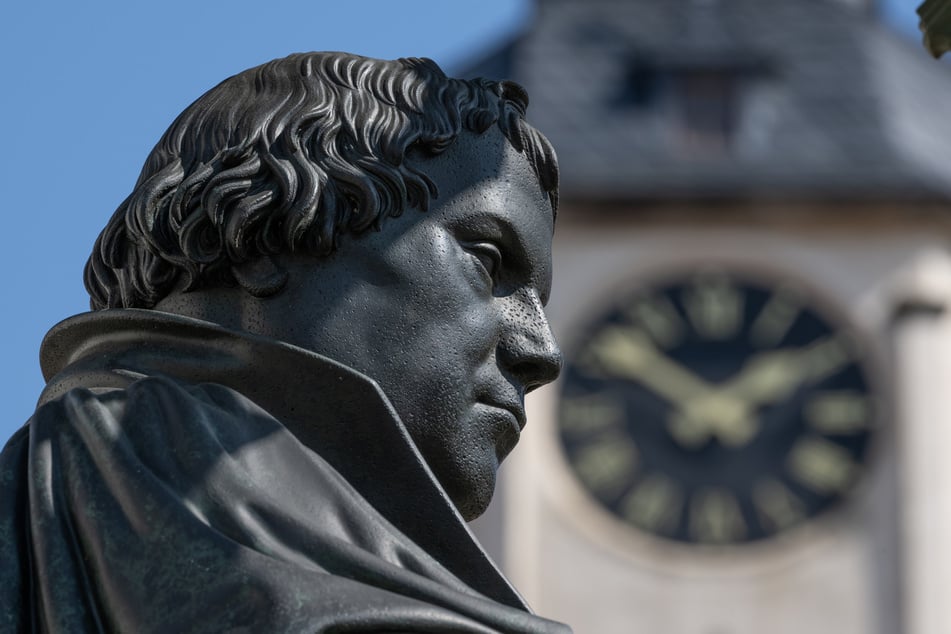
point(476, 161)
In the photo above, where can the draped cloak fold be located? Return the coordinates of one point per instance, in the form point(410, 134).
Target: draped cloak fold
point(158, 488)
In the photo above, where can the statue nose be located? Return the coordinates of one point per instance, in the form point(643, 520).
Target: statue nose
point(531, 354)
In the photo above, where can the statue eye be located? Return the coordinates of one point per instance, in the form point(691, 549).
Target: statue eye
point(488, 255)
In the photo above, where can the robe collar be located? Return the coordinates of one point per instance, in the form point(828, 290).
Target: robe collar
point(331, 408)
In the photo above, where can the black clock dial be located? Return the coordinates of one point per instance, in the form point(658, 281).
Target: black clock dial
point(716, 409)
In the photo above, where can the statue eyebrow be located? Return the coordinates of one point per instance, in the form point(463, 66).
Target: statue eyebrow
point(515, 246)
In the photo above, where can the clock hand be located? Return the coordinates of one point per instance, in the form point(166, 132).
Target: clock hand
point(728, 411)
point(629, 354)
point(703, 410)
point(772, 376)
point(768, 377)
point(717, 413)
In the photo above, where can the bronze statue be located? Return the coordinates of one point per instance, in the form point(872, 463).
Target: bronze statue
point(315, 320)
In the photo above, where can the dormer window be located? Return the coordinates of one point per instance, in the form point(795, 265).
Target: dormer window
point(708, 101)
point(699, 101)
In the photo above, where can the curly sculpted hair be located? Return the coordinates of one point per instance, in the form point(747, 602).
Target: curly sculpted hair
point(287, 157)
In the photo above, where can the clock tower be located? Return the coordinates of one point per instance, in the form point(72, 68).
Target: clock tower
point(751, 283)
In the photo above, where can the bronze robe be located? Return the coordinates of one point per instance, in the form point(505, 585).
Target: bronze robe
point(157, 489)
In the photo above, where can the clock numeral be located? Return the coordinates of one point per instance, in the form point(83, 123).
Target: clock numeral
point(775, 319)
point(716, 518)
point(821, 465)
point(838, 412)
point(777, 506)
point(826, 357)
point(715, 307)
point(655, 504)
point(658, 317)
point(605, 466)
point(590, 413)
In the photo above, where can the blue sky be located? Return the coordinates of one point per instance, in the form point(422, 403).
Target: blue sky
point(90, 87)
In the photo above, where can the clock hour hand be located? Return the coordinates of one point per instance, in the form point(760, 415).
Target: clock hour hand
point(627, 353)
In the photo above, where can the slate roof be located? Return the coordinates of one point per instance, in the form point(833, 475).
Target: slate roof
point(835, 106)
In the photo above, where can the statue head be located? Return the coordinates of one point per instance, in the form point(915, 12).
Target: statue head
point(377, 212)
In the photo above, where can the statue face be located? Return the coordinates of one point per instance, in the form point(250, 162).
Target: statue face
point(444, 310)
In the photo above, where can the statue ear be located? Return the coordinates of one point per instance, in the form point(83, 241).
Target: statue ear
point(261, 276)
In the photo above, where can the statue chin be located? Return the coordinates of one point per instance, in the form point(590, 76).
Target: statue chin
point(476, 499)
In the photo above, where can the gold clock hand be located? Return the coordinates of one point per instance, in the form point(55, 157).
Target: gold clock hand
point(728, 411)
point(629, 354)
point(717, 413)
point(770, 377)
point(702, 409)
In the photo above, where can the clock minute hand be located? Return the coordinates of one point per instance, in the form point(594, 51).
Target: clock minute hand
point(772, 376)
point(767, 377)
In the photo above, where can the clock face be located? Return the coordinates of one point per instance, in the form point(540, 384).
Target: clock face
point(716, 409)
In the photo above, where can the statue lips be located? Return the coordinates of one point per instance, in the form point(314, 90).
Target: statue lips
point(512, 418)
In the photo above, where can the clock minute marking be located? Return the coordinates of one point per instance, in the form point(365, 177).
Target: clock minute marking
point(715, 517)
point(838, 411)
point(714, 306)
point(606, 462)
point(659, 318)
point(591, 413)
point(822, 465)
point(775, 319)
point(777, 506)
point(655, 503)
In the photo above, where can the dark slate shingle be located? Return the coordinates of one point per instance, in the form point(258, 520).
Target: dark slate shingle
point(836, 105)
